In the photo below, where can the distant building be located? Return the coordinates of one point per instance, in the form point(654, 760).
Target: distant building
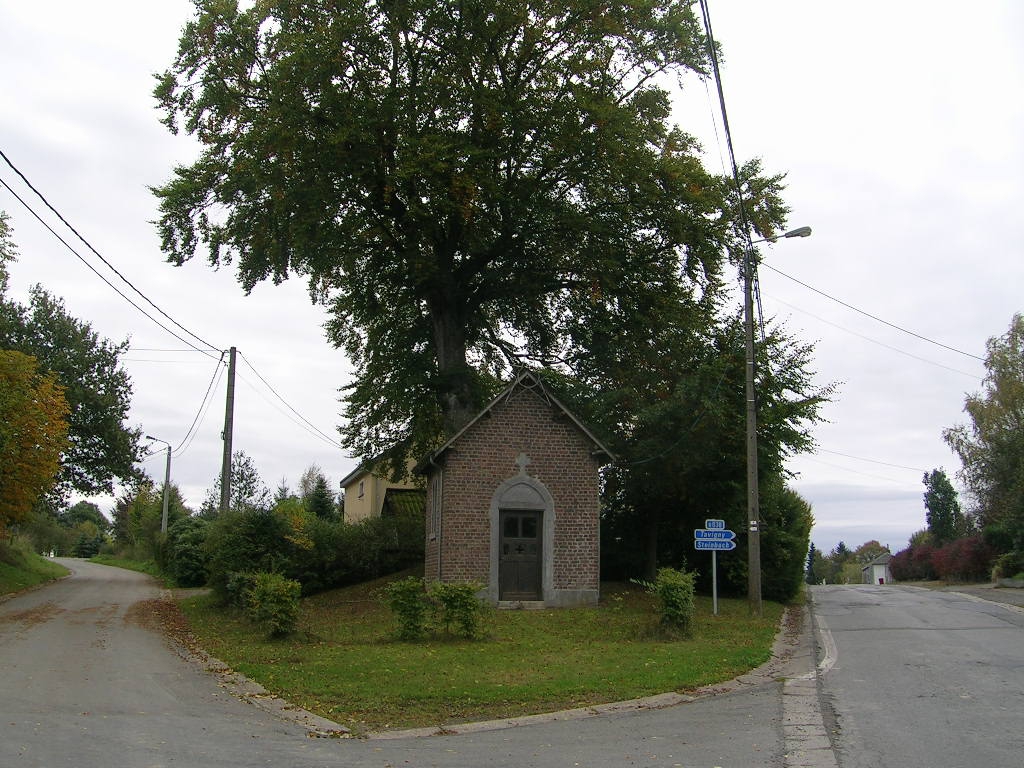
point(370, 492)
point(877, 571)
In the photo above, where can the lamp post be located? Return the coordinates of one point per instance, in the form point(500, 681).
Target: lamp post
point(167, 482)
point(753, 504)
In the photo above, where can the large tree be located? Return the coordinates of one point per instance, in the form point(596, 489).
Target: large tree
point(33, 433)
point(945, 519)
point(102, 449)
point(991, 446)
point(665, 382)
point(465, 184)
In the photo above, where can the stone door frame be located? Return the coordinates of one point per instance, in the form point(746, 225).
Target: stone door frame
point(527, 494)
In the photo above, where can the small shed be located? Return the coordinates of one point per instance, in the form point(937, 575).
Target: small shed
point(877, 571)
point(512, 502)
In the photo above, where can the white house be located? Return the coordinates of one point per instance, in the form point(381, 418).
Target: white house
point(877, 571)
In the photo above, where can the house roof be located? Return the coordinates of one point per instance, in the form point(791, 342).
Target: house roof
point(525, 380)
point(404, 501)
point(882, 559)
point(362, 469)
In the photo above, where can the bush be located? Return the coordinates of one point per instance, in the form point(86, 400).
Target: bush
point(914, 564)
point(676, 608)
point(407, 600)
point(237, 587)
point(253, 540)
point(272, 602)
point(186, 559)
point(457, 605)
point(451, 608)
point(1009, 566)
point(966, 559)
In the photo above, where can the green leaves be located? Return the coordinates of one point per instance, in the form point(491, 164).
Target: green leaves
point(991, 446)
point(102, 448)
point(466, 185)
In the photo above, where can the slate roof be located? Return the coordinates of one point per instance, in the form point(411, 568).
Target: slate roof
point(883, 559)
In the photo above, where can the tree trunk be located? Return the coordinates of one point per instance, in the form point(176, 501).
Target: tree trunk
point(455, 391)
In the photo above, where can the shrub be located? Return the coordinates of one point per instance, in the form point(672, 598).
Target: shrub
point(457, 606)
point(407, 600)
point(1009, 566)
point(272, 602)
point(253, 540)
point(676, 608)
point(185, 555)
point(237, 586)
point(966, 559)
point(451, 608)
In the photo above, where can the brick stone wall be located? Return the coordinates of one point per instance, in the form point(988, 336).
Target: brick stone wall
point(483, 457)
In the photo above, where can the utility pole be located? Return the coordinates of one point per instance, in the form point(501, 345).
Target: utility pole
point(753, 506)
point(229, 422)
point(753, 502)
point(167, 482)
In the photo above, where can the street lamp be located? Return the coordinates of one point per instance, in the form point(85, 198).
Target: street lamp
point(167, 482)
point(753, 505)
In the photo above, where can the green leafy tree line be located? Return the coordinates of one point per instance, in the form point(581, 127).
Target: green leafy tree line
point(991, 445)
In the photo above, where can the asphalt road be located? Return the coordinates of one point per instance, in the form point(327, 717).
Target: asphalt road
point(922, 679)
point(87, 680)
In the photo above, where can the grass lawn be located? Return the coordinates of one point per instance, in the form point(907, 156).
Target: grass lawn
point(343, 664)
point(21, 568)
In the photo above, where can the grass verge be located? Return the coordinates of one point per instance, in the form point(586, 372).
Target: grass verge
point(142, 566)
point(344, 665)
point(21, 568)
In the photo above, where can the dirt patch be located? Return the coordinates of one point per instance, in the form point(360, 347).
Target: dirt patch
point(162, 614)
point(34, 616)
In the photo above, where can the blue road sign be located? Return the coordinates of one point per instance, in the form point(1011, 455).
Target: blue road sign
point(700, 533)
point(717, 545)
point(715, 525)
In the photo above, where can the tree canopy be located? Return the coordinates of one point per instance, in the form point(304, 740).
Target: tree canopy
point(33, 433)
point(466, 185)
point(945, 519)
point(102, 449)
point(991, 446)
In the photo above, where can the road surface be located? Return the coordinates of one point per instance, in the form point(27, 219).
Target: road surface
point(922, 679)
point(88, 681)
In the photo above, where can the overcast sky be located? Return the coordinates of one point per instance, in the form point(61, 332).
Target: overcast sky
point(899, 126)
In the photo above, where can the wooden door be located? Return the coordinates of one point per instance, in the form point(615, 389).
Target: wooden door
point(519, 567)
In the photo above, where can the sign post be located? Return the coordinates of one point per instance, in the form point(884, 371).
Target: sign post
point(714, 537)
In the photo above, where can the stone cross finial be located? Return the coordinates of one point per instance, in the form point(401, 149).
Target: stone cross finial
point(523, 461)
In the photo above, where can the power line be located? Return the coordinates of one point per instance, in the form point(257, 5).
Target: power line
point(875, 341)
point(203, 408)
point(872, 461)
point(96, 272)
point(873, 317)
point(99, 256)
point(306, 423)
point(854, 471)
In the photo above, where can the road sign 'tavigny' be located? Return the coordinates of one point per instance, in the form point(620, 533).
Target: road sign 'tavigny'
point(714, 536)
